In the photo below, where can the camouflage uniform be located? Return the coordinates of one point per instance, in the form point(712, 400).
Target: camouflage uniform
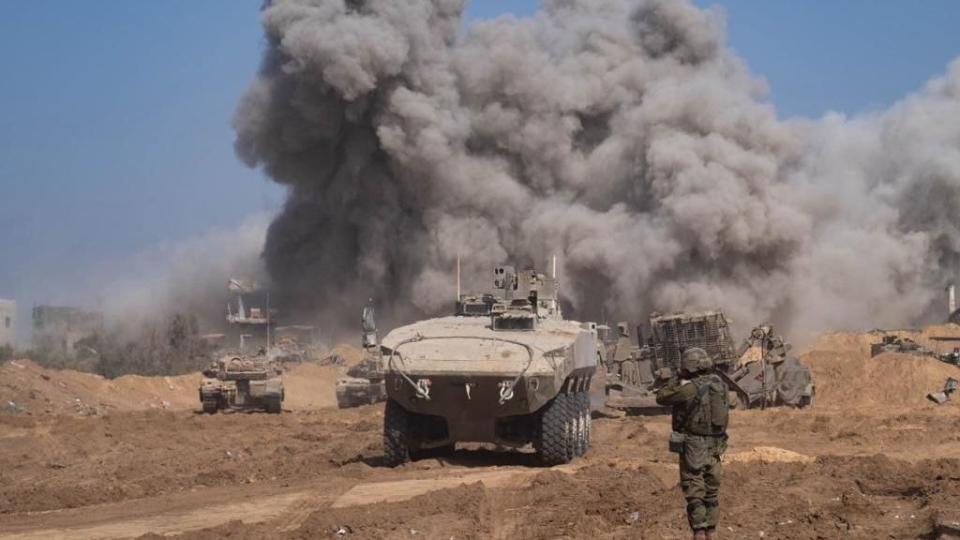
point(704, 444)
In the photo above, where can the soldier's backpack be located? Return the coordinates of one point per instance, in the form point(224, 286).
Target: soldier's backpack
point(710, 411)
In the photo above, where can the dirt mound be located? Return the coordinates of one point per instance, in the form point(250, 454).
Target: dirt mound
point(768, 454)
point(25, 387)
point(845, 342)
point(940, 338)
point(856, 380)
point(348, 355)
point(310, 386)
point(846, 376)
point(951, 331)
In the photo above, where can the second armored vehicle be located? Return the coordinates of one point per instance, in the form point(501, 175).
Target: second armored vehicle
point(237, 382)
point(240, 380)
point(518, 376)
point(895, 344)
point(363, 383)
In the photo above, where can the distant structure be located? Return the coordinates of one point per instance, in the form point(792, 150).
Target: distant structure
point(57, 329)
point(250, 320)
point(8, 323)
point(953, 314)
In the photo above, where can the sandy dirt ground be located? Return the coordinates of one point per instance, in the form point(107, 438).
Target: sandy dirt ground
point(871, 459)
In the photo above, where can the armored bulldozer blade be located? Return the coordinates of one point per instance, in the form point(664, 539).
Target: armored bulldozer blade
point(633, 399)
point(772, 378)
point(743, 400)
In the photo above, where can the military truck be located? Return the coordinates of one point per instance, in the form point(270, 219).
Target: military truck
point(242, 382)
point(767, 378)
point(516, 377)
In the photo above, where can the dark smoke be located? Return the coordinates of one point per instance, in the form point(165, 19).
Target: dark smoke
point(622, 136)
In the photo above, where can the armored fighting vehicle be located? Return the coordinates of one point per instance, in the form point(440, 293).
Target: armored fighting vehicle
point(515, 377)
point(363, 384)
point(475, 305)
point(238, 379)
point(896, 344)
point(952, 357)
point(239, 382)
point(767, 377)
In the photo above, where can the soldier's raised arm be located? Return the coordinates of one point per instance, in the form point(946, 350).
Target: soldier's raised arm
point(676, 391)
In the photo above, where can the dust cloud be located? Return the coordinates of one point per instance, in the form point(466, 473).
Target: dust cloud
point(622, 136)
point(187, 277)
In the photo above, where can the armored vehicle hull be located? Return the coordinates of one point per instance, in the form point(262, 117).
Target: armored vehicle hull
point(359, 391)
point(363, 383)
point(457, 379)
point(237, 383)
point(896, 344)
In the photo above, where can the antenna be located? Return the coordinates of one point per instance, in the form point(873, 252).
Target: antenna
point(951, 299)
point(268, 324)
point(458, 277)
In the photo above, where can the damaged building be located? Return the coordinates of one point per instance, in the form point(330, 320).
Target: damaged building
point(57, 330)
point(8, 323)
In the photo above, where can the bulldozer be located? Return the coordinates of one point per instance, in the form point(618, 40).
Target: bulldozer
point(759, 373)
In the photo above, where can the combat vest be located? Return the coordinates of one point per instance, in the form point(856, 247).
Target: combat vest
point(708, 412)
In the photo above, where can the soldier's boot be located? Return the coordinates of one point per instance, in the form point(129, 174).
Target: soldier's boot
point(711, 534)
point(700, 534)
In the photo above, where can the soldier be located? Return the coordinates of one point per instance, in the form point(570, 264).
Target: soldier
point(700, 410)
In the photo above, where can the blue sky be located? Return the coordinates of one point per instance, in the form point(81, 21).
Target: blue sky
point(115, 115)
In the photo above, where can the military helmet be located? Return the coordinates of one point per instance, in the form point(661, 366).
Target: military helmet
point(695, 360)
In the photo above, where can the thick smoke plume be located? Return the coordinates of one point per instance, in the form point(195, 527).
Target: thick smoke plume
point(622, 136)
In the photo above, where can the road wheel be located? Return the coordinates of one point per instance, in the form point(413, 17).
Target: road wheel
point(587, 420)
point(396, 448)
point(555, 444)
point(210, 406)
point(805, 401)
point(580, 424)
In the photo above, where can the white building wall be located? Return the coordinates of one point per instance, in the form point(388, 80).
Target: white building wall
point(8, 322)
